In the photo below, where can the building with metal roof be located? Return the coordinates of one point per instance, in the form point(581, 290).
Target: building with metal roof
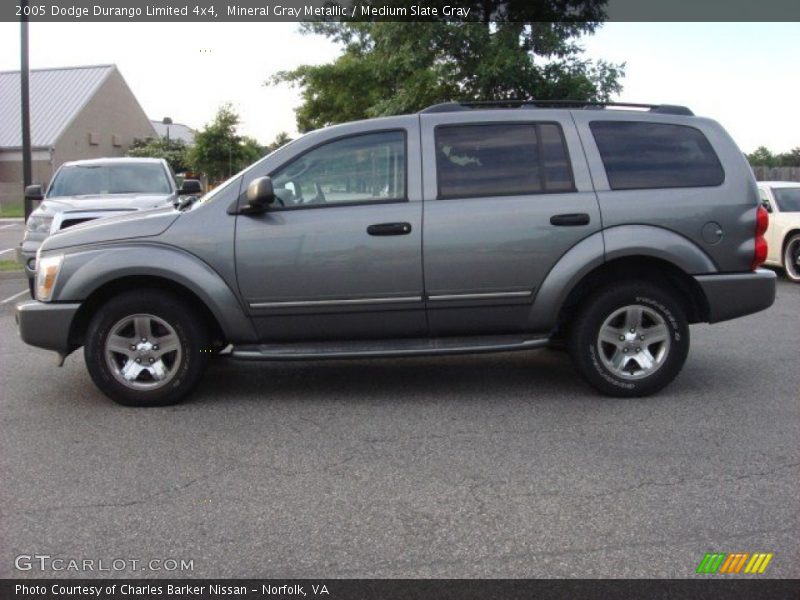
point(76, 113)
point(174, 131)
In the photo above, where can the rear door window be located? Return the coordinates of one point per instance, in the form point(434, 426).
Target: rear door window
point(501, 159)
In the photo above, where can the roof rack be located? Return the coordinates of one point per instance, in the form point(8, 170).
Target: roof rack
point(664, 109)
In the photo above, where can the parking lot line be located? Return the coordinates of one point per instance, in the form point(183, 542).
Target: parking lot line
point(8, 250)
point(10, 298)
point(9, 226)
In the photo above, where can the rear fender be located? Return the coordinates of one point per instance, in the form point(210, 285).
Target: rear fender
point(611, 244)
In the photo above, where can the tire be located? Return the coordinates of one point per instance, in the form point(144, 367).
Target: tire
point(146, 348)
point(32, 287)
point(630, 367)
point(791, 258)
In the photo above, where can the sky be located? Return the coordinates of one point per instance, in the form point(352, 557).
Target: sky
point(744, 75)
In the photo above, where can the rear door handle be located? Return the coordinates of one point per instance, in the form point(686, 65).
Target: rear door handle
point(570, 220)
point(389, 229)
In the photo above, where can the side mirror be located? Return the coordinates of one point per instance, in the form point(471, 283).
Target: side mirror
point(260, 193)
point(34, 192)
point(766, 205)
point(190, 187)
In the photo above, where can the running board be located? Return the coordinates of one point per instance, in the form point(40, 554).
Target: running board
point(386, 348)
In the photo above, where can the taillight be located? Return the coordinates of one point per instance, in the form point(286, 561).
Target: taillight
point(762, 222)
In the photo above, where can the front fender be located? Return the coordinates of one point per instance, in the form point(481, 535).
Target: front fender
point(86, 271)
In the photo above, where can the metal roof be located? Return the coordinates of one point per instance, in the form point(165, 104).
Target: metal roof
point(113, 160)
point(56, 97)
point(177, 131)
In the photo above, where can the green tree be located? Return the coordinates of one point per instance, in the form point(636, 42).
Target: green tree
point(219, 150)
point(280, 140)
point(762, 157)
point(789, 159)
point(175, 153)
point(397, 67)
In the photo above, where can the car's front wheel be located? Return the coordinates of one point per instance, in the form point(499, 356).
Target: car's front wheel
point(146, 348)
point(791, 258)
point(630, 339)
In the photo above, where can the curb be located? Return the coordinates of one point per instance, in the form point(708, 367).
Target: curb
point(19, 220)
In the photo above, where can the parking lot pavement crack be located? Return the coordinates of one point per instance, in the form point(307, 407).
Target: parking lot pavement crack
point(655, 483)
point(143, 500)
point(324, 467)
point(769, 472)
point(417, 565)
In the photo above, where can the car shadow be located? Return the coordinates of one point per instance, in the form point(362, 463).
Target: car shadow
point(421, 379)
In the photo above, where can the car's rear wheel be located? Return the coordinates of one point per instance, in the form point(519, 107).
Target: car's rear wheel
point(146, 348)
point(630, 339)
point(791, 258)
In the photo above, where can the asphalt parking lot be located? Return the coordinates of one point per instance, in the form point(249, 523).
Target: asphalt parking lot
point(471, 466)
point(10, 234)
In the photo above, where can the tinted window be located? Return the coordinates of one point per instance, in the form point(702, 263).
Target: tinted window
point(363, 168)
point(788, 199)
point(87, 180)
point(501, 159)
point(641, 155)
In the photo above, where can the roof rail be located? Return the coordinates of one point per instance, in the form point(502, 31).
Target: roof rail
point(664, 109)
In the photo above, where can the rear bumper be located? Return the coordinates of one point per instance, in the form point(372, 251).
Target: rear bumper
point(46, 325)
point(737, 294)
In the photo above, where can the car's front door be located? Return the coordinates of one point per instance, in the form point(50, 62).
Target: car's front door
point(503, 203)
point(339, 254)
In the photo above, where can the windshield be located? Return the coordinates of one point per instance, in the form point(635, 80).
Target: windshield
point(86, 180)
point(788, 199)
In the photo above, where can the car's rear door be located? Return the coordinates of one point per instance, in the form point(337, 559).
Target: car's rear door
point(507, 193)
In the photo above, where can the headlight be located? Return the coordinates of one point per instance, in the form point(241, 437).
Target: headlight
point(39, 223)
point(47, 268)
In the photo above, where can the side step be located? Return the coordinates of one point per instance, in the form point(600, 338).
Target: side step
point(386, 348)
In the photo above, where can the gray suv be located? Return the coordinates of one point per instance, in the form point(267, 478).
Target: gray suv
point(464, 228)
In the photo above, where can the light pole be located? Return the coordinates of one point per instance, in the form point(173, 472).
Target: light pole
point(167, 121)
point(24, 74)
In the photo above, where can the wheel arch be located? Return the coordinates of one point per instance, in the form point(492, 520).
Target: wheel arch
point(95, 276)
point(641, 268)
point(792, 231)
point(622, 253)
point(127, 283)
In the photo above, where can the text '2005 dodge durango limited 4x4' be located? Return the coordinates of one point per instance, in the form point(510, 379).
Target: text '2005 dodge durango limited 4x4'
point(465, 228)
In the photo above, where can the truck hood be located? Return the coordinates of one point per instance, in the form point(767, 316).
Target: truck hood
point(138, 224)
point(100, 202)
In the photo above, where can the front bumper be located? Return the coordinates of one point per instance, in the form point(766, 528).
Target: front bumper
point(46, 324)
point(737, 294)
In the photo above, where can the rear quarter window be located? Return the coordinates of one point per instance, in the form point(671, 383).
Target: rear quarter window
point(643, 155)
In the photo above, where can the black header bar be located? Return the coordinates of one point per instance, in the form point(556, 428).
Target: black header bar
point(397, 10)
point(700, 588)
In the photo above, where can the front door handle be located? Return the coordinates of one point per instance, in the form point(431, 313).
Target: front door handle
point(389, 229)
point(570, 220)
